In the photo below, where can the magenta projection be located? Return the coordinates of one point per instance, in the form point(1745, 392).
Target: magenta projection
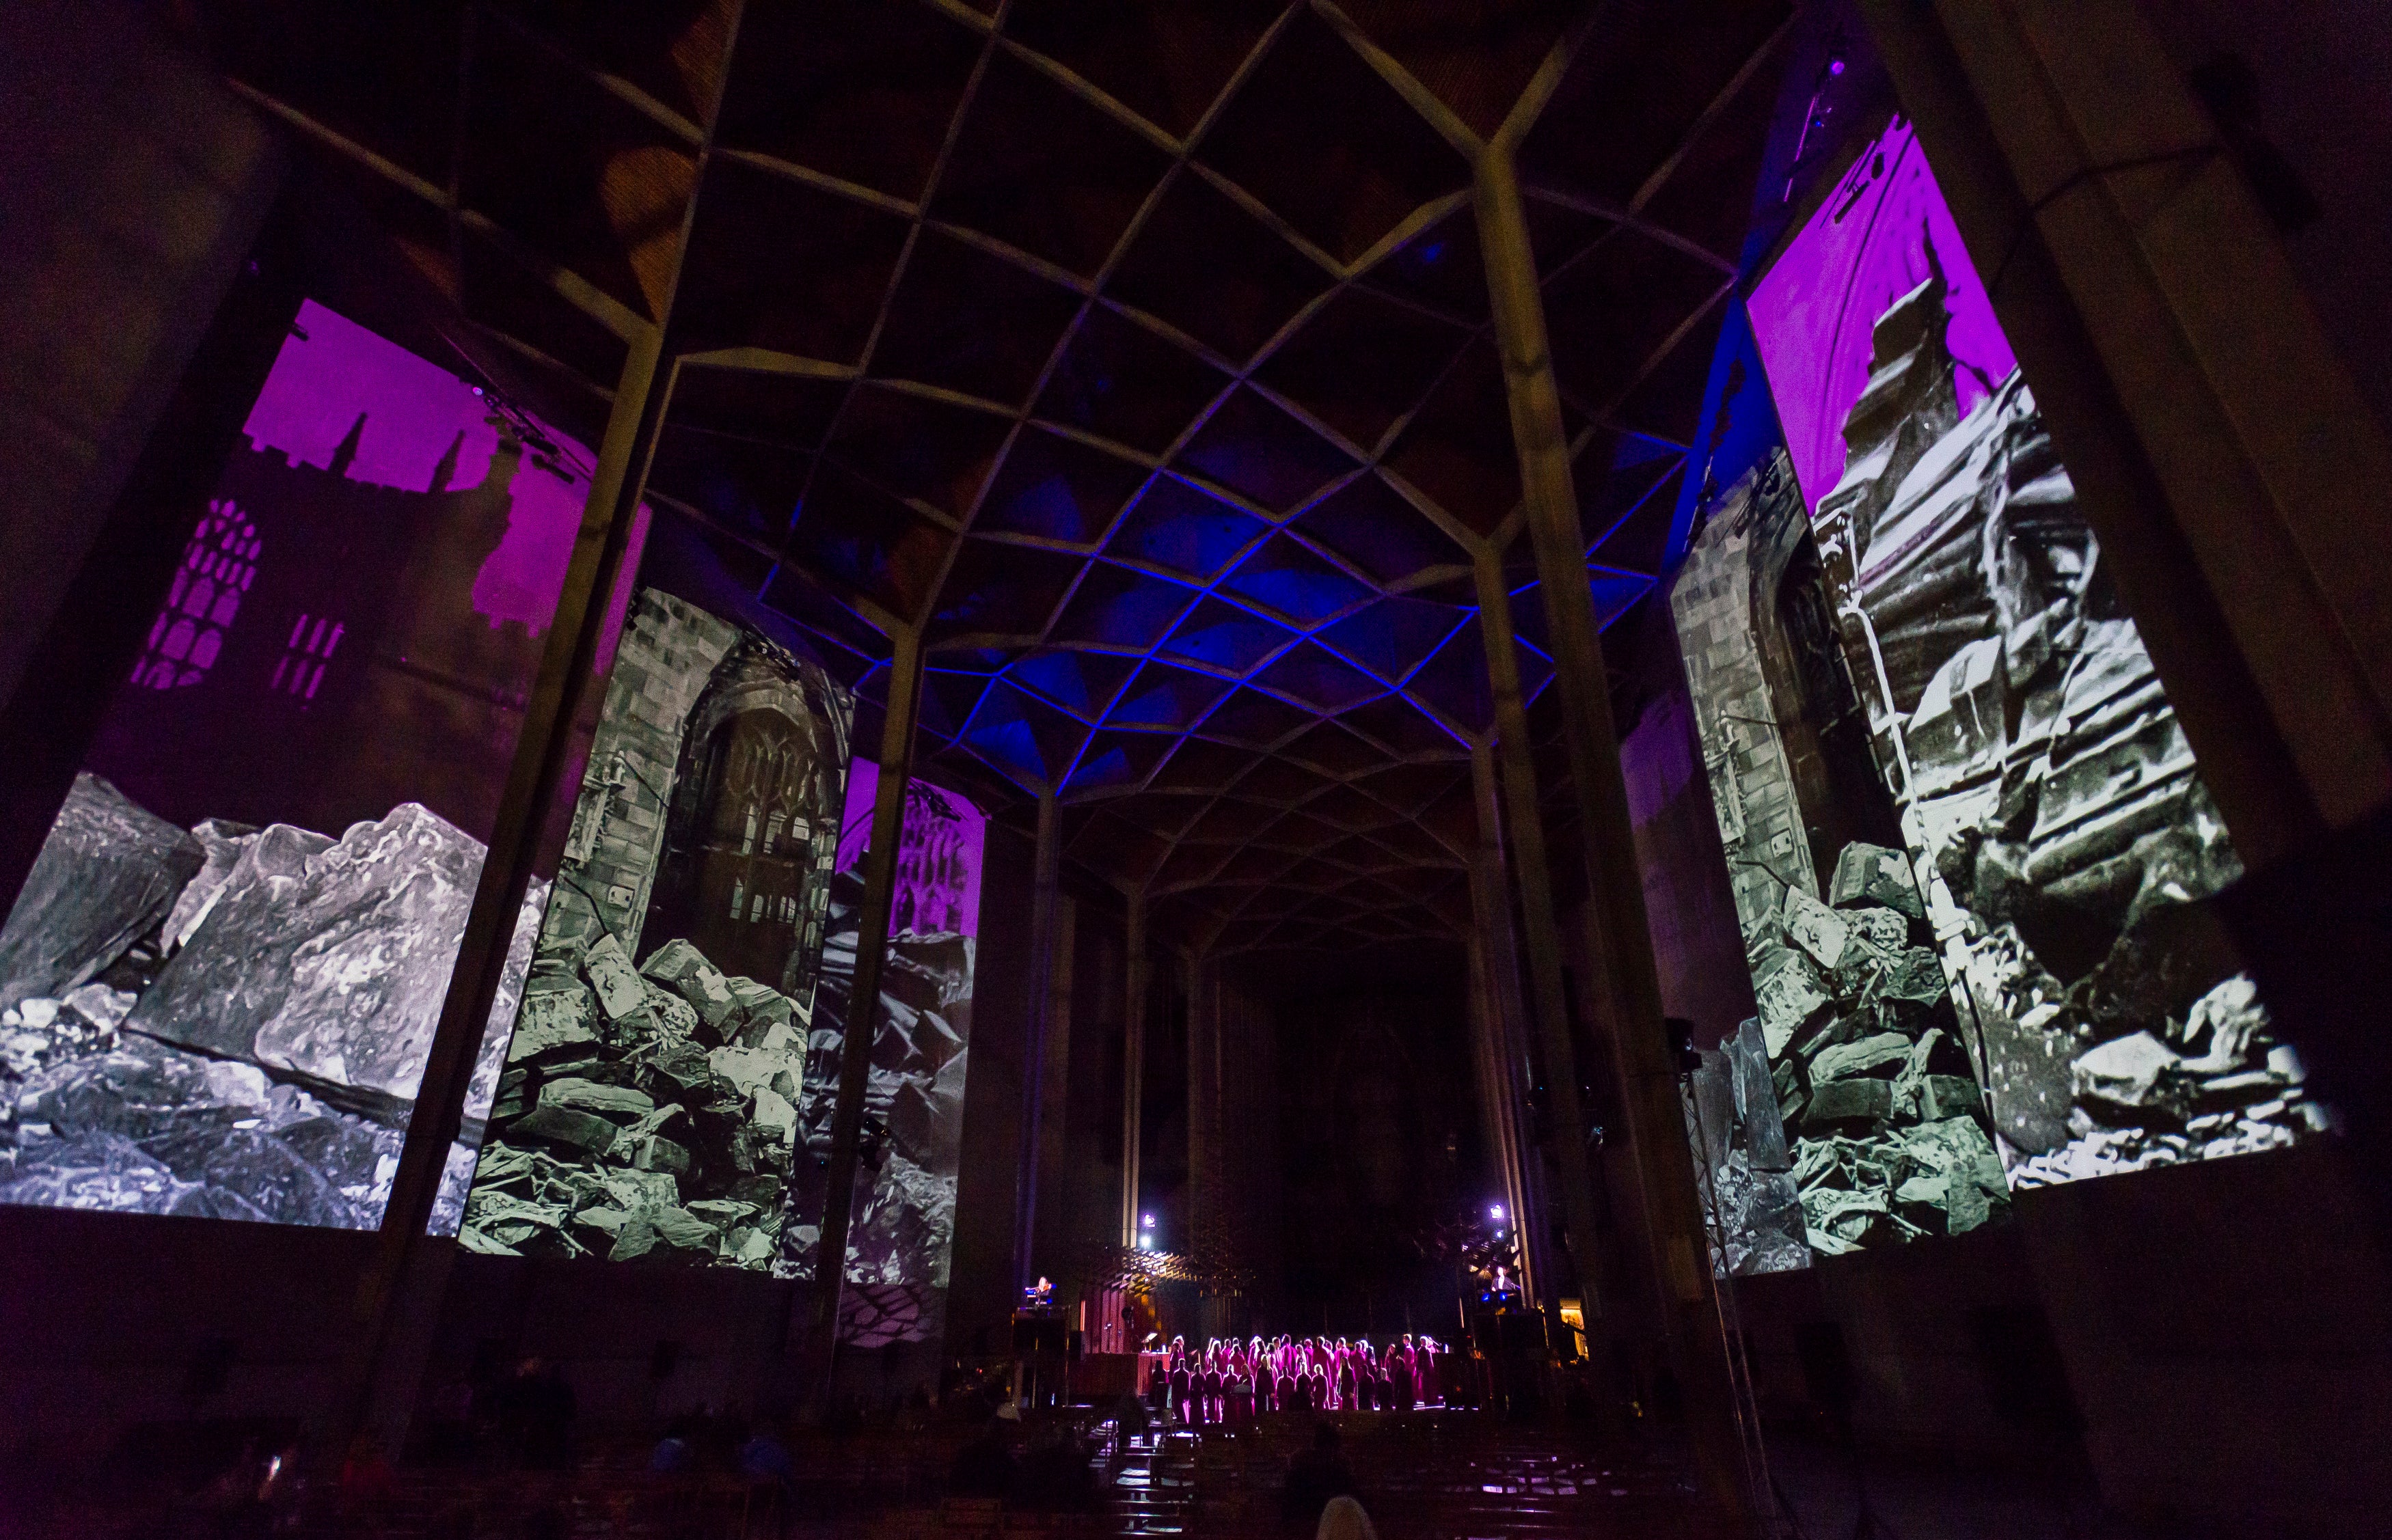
point(418, 415)
point(1881, 231)
point(938, 856)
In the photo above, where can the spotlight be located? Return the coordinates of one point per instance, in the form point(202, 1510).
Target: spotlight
point(1146, 1243)
point(1495, 1210)
point(1147, 1220)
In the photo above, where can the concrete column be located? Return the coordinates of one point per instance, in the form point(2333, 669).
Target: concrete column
point(864, 999)
point(1059, 1222)
point(1566, 1123)
point(1500, 1022)
point(1044, 896)
point(1133, 1065)
point(1625, 989)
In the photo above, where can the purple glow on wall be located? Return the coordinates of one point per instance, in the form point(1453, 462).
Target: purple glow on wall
point(417, 415)
point(1868, 244)
point(938, 858)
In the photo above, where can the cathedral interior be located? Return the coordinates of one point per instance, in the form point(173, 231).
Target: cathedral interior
point(1577, 766)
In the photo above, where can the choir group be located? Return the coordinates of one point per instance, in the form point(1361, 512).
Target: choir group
point(1227, 1383)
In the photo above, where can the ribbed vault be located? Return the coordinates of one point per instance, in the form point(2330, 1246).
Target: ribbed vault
point(1136, 353)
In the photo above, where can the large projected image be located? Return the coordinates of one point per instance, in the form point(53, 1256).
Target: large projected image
point(1973, 737)
point(219, 984)
point(647, 1106)
point(904, 1229)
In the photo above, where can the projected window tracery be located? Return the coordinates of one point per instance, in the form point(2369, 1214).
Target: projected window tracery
point(218, 567)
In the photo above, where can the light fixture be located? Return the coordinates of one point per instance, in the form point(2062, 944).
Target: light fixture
point(1495, 1210)
point(1147, 1220)
point(1146, 1243)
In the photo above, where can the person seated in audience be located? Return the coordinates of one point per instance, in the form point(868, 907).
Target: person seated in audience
point(1314, 1476)
point(1344, 1519)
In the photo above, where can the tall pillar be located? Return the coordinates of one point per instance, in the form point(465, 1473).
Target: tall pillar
point(864, 998)
point(1502, 1029)
point(1045, 893)
point(1566, 1126)
point(379, 1372)
point(1626, 987)
point(1203, 1108)
point(1056, 1235)
point(1133, 1065)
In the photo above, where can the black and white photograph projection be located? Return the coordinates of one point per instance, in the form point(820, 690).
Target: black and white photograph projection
point(1942, 757)
point(221, 979)
point(905, 1223)
point(647, 1108)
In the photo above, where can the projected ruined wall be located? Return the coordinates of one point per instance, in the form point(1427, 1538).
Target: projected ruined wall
point(647, 1108)
point(905, 1223)
point(1970, 843)
point(221, 979)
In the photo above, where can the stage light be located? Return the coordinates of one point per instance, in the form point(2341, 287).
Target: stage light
point(1495, 1210)
point(1147, 1220)
point(1146, 1243)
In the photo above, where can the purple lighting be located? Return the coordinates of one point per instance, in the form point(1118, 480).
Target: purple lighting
point(1870, 243)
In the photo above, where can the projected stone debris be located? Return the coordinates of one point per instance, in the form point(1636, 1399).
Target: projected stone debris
point(642, 1113)
point(2050, 789)
point(903, 1226)
point(647, 1109)
point(258, 1008)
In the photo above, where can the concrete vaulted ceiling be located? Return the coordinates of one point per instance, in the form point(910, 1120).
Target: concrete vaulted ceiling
point(1137, 352)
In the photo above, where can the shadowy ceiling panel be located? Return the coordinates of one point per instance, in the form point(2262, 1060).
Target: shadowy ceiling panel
point(1633, 95)
point(500, 294)
point(1440, 268)
point(1708, 197)
point(795, 409)
point(1293, 583)
point(1394, 636)
point(777, 264)
point(1262, 454)
point(572, 171)
point(1165, 699)
point(1668, 401)
point(1115, 760)
point(1225, 638)
point(1375, 530)
point(1312, 675)
point(1120, 381)
point(1368, 161)
point(999, 589)
point(1454, 684)
point(1400, 727)
point(857, 89)
point(1163, 60)
point(1080, 682)
point(1116, 607)
point(917, 447)
point(1175, 526)
point(1213, 270)
point(1477, 58)
point(669, 49)
point(1043, 170)
point(1202, 765)
point(747, 487)
point(1023, 737)
point(866, 542)
point(1334, 751)
point(1059, 489)
point(1459, 449)
point(1256, 720)
point(971, 321)
point(1610, 311)
point(1231, 820)
point(1361, 363)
